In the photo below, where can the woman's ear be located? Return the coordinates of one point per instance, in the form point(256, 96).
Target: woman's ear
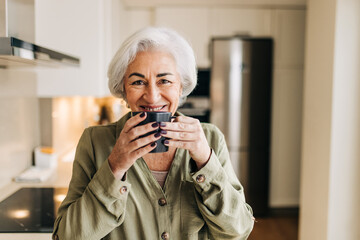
point(124, 99)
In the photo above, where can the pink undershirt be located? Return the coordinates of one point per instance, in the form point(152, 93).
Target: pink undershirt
point(160, 176)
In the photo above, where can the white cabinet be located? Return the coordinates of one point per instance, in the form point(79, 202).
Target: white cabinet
point(192, 23)
point(240, 21)
point(286, 137)
point(200, 24)
point(288, 31)
point(195, 3)
point(83, 28)
point(133, 20)
point(289, 36)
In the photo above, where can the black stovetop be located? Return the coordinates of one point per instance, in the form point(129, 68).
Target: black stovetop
point(30, 210)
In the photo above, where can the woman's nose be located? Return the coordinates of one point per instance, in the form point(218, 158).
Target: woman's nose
point(152, 94)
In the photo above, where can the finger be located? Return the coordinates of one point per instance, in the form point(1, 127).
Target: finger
point(181, 123)
point(179, 144)
point(141, 130)
point(186, 119)
point(184, 136)
point(143, 141)
point(142, 151)
point(178, 126)
point(133, 121)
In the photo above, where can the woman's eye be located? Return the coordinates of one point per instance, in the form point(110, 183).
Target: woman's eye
point(138, 82)
point(164, 81)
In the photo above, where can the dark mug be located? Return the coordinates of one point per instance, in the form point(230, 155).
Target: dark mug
point(156, 117)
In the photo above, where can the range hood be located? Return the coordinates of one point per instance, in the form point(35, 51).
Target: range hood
point(17, 32)
point(18, 53)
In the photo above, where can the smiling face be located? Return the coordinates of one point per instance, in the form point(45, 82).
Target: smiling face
point(152, 82)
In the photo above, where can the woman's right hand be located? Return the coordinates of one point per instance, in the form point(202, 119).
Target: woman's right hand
point(130, 147)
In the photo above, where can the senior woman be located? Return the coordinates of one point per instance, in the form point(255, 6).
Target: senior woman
point(119, 190)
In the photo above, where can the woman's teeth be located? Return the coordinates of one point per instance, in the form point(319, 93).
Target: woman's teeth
point(153, 109)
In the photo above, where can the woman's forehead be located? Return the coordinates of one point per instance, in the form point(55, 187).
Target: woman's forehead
point(153, 60)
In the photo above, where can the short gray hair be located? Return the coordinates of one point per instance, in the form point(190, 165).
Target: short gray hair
point(154, 38)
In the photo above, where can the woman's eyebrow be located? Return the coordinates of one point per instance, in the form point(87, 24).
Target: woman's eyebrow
point(163, 74)
point(136, 74)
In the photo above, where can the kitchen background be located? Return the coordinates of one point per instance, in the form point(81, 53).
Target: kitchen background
point(51, 106)
point(97, 33)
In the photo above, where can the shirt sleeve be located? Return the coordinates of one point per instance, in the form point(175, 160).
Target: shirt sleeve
point(95, 198)
point(220, 196)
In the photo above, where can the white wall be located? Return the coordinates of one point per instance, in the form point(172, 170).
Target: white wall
point(330, 192)
point(19, 123)
point(344, 190)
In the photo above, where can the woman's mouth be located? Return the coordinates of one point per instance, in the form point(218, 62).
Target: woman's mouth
point(152, 109)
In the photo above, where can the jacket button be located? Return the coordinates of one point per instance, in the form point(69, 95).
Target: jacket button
point(200, 178)
point(123, 189)
point(165, 236)
point(162, 202)
point(56, 237)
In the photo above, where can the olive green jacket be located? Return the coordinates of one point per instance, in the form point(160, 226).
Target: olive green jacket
point(204, 204)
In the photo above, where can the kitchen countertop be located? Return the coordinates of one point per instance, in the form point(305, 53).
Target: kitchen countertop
point(61, 178)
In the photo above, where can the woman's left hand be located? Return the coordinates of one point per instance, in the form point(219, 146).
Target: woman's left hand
point(187, 133)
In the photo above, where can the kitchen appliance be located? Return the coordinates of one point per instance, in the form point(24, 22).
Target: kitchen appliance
point(197, 104)
point(31, 210)
point(241, 83)
point(17, 31)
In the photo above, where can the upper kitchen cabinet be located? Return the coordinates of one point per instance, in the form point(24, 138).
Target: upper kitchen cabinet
point(132, 20)
point(240, 21)
point(192, 23)
point(289, 34)
point(232, 3)
point(87, 29)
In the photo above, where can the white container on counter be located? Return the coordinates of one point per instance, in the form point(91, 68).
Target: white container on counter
point(45, 157)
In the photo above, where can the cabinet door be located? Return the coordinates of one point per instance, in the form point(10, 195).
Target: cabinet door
point(192, 23)
point(289, 35)
point(286, 137)
point(81, 28)
point(241, 21)
point(133, 20)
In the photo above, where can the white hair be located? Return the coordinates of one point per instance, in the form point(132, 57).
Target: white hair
point(154, 38)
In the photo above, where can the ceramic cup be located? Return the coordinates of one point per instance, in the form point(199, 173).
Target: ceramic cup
point(156, 117)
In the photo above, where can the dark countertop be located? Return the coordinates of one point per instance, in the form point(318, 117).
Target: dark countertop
point(31, 210)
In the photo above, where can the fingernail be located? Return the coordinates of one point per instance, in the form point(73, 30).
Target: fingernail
point(157, 135)
point(153, 144)
point(162, 124)
point(163, 132)
point(142, 114)
point(154, 125)
point(166, 142)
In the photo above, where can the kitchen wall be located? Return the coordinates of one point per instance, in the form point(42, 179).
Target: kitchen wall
point(19, 122)
point(330, 192)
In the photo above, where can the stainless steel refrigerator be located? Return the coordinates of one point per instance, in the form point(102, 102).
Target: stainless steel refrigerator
point(240, 93)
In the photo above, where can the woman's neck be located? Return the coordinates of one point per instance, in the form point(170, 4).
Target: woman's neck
point(160, 161)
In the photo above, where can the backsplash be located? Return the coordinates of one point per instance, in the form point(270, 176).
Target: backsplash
point(19, 128)
point(27, 121)
point(71, 115)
